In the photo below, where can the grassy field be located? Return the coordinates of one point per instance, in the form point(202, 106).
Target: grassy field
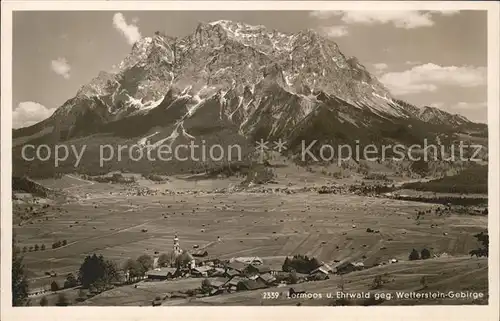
point(327, 226)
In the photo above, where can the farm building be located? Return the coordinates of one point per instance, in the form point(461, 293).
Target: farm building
point(200, 253)
point(161, 274)
point(236, 266)
point(218, 282)
point(231, 273)
point(344, 268)
point(201, 271)
point(348, 267)
point(268, 278)
point(247, 285)
point(324, 269)
point(318, 276)
point(217, 272)
point(208, 263)
point(232, 283)
point(280, 275)
point(257, 269)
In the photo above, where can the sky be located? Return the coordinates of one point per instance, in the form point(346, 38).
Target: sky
point(426, 58)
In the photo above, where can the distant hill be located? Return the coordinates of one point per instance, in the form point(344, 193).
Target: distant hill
point(25, 185)
point(471, 180)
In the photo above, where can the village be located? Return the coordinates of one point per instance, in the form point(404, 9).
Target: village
point(238, 273)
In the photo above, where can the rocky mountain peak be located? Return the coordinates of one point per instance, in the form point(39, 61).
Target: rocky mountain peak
point(438, 116)
point(261, 80)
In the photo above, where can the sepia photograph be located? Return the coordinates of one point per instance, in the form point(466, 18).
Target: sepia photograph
point(237, 155)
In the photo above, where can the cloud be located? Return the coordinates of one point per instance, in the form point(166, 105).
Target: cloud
point(400, 19)
point(428, 77)
point(469, 106)
point(335, 31)
point(439, 105)
point(28, 113)
point(380, 66)
point(130, 31)
point(61, 67)
point(446, 12)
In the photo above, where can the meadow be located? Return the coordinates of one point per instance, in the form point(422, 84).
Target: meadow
point(331, 227)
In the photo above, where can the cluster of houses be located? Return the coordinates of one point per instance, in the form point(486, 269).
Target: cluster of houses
point(238, 274)
point(242, 273)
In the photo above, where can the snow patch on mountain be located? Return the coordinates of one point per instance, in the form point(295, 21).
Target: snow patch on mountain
point(170, 139)
point(144, 140)
point(192, 109)
point(185, 133)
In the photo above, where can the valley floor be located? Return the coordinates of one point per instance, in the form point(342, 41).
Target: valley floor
point(330, 227)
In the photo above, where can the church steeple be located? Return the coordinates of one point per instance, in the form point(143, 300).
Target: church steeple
point(177, 247)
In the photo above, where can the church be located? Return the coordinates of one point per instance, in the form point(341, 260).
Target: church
point(182, 258)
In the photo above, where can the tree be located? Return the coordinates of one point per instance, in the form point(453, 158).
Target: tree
point(71, 281)
point(206, 285)
point(57, 244)
point(341, 285)
point(414, 255)
point(293, 277)
point(111, 272)
point(43, 302)
point(425, 254)
point(96, 269)
point(62, 300)
point(301, 264)
point(43, 247)
point(286, 265)
point(100, 285)
point(19, 280)
point(146, 262)
point(54, 286)
point(183, 260)
point(314, 263)
point(82, 295)
point(484, 239)
point(91, 270)
point(25, 249)
point(423, 282)
point(420, 167)
point(37, 247)
point(64, 242)
point(133, 267)
point(377, 282)
point(166, 259)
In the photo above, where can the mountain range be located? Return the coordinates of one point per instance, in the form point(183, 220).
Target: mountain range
point(232, 82)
